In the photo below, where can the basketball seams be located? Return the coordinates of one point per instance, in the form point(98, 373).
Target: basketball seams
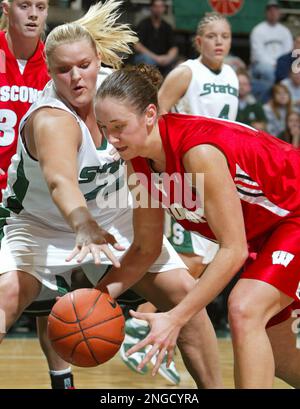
point(86, 328)
point(88, 340)
point(92, 307)
point(82, 332)
point(87, 314)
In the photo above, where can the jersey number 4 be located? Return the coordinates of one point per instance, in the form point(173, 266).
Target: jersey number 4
point(224, 114)
point(8, 120)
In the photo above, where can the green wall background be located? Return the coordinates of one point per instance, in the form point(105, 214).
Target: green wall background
point(188, 13)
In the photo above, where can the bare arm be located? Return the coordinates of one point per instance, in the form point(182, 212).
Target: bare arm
point(174, 87)
point(224, 215)
point(144, 250)
point(55, 137)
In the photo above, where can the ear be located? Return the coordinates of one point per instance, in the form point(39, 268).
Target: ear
point(198, 42)
point(151, 114)
point(5, 7)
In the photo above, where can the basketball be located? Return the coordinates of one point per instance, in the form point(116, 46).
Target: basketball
point(86, 327)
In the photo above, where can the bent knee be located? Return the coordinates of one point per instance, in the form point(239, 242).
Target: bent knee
point(14, 294)
point(241, 312)
point(185, 283)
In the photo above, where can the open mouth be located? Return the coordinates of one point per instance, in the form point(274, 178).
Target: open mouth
point(78, 88)
point(122, 149)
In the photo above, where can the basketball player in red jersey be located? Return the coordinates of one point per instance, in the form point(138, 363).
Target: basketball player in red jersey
point(23, 74)
point(250, 201)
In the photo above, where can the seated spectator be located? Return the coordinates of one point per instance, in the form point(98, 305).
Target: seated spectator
point(268, 41)
point(156, 46)
point(250, 111)
point(291, 134)
point(293, 85)
point(277, 109)
point(284, 63)
point(235, 62)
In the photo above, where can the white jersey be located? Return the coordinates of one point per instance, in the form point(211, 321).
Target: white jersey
point(35, 237)
point(100, 177)
point(210, 93)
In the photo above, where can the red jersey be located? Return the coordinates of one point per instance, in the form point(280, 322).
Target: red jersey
point(17, 92)
point(265, 170)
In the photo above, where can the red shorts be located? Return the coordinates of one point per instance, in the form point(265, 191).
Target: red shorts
point(278, 263)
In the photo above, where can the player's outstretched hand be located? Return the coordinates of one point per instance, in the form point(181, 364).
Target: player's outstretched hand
point(91, 238)
point(162, 338)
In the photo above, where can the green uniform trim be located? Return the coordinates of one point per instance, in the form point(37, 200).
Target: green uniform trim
point(20, 187)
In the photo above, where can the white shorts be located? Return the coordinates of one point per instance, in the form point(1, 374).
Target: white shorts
point(189, 242)
point(41, 251)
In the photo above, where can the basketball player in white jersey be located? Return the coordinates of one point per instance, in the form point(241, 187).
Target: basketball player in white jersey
point(60, 182)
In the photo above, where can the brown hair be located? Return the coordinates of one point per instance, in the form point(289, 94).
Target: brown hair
point(275, 107)
point(244, 72)
point(138, 84)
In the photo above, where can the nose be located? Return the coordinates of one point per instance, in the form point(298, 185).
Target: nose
point(75, 73)
point(219, 39)
point(112, 138)
point(33, 13)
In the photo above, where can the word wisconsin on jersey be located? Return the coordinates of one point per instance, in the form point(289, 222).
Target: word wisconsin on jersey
point(15, 93)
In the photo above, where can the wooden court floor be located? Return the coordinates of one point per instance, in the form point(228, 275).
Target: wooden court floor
point(22, 365)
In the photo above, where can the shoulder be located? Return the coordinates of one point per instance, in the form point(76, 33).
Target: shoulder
point(229, 70)
point(52, 118)
point(283, 29)
point(203, 158)
point(182, 71)
point(259, 27)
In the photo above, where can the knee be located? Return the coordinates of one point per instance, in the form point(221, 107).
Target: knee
point(187, 282)
point(13, 296)
point(241, 315)
point(9, 292)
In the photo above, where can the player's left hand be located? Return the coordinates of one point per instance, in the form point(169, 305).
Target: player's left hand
point(162, 338)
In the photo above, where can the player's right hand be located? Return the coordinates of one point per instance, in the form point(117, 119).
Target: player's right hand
point(91, 238)
point(2, 173)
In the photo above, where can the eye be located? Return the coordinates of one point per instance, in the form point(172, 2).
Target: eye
point(85, 65)
point(63, 70)
point(119, 127)
point(102, 129)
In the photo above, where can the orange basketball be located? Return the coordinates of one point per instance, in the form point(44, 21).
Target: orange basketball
point(86, 327)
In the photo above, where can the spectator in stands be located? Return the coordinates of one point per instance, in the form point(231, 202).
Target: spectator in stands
point(250, 111)
point(268, 41)
point(293, 85)
point(156, 46)
point(284, 63)
point(277, 109)
point(291, 134)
